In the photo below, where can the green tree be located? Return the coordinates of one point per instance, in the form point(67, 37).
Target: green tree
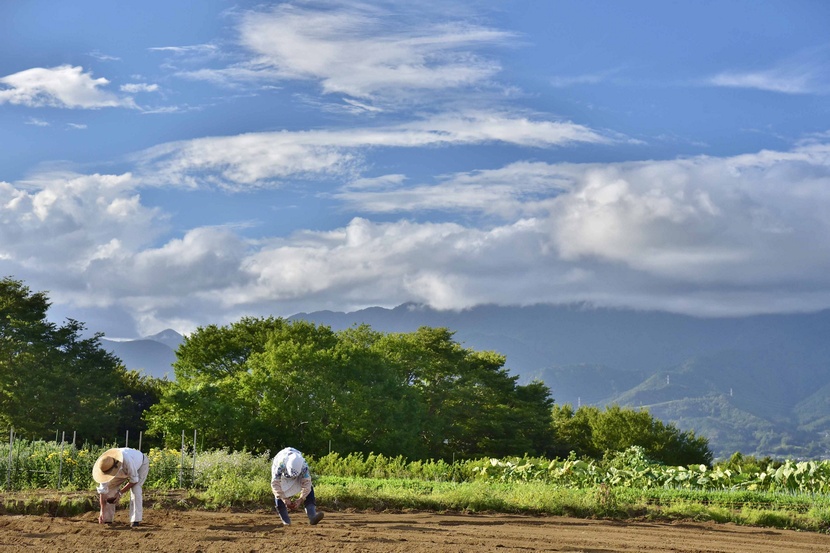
point(381, 411)
point(208, 394)
point(50, 377)
point(573, 431)
point(138, 394)
point(592, 432)
point(260, 384)
point(471, 406)
point(266, 383)
point(292, 387)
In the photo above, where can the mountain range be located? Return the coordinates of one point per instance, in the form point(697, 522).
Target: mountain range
point(757, 385)
point(152, 356)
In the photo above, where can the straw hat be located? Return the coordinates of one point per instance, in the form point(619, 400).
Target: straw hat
point(108, 465)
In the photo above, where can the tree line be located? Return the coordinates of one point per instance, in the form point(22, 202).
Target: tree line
point(261, 382)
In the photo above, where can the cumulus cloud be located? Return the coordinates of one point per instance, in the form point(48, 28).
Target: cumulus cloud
point(64, 86)
point(702, 235)
point(57, 221)
point(261, 159)
point(708, 236)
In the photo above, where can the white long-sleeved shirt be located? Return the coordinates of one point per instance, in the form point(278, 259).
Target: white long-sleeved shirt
point(279, 473)
point(132, 461)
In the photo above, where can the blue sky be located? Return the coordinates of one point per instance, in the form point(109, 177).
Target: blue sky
point(173, 165)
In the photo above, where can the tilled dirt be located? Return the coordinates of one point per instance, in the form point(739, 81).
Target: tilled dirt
point(344, 532)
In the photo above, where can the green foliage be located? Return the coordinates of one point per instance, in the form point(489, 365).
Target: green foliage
point(260, 383)
point(620, 486)
point(51, 378)
point(592, 432)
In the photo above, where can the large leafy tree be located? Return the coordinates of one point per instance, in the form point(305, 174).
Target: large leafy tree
point(208, 394)
point(379, 411)
point(592, 432)
point(50, 377)
point(262, 384)
point(471, 405)
point(266, 383)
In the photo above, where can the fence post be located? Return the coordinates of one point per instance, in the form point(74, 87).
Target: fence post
point(127, 439)
point(60, 464)
point(11, 447)
point(193, 472)
point(140, 434)
point(181, 462)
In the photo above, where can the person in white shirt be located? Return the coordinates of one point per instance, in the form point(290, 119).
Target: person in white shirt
point(290, 477)
point(112, 469)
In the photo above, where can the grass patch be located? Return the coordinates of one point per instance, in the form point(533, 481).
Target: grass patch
point(238, 492)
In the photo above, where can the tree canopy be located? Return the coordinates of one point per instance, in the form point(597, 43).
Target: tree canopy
point(258, 383)
point(593, 432)
point(51, 378)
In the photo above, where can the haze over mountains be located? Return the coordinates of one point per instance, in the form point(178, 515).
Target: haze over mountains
point(152, 355)
point(759, 385)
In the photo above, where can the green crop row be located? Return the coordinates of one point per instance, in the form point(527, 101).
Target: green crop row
point(787, 494)
point(39, 464)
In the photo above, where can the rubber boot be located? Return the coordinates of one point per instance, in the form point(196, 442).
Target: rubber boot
point(283, 511)
point(313, 516)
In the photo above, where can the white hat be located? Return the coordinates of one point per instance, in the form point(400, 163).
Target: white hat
point(107, 466)
point(294, 464)
point(290, 483)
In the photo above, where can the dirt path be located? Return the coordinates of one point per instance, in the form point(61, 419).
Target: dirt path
point(345, 532)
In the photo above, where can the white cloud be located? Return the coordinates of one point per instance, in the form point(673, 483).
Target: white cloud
point(703, 235)
point(562, 81)
point(258, 159)
point(100, 56)
point(64, 86)
point(361, 51)
point(193, 49)
point(132, 88)
point(518, 189)
point(709, 236)
point(60, 222)
point(804, 73)
point(37, 122)
point(773, 81)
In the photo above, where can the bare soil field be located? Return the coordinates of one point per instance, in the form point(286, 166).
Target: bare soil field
point(345, 532)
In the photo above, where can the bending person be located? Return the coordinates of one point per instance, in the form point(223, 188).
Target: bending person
point(290, 477)
point(112, 469)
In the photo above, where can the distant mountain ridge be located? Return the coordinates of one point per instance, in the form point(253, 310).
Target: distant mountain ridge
point(153, 355)
point(759, 385)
